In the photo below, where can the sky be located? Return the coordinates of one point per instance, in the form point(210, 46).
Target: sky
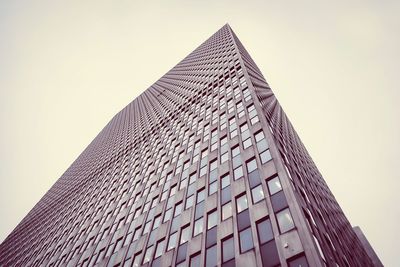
point(67, 67)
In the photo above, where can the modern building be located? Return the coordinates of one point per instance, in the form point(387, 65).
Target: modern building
point(367, 246)
point(202, 169)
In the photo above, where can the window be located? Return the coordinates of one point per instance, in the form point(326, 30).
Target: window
point(203, 170)
point(167, 215)
point(204, 153)
point(265, 233)
point(285, 220)
point(259, 136)
point(321, 253)
point(224, 140)
point(227, 211)
point(244, 128)
point(238, 173)
point(224, 157)
point(235, 151)
point(147, 255)
point(274, 185)
point(157, 222)
point(118, 245)
point(212, 219)
point(200, 196)
point(228, 249)
point(185, 235)
point(251, 165)
point(172, 240)
point(195, 260)
point(241, 203)
point(198, 226)
point(212, 188)
point(173, 190)
point(225, 181)
point(159, 248)
point(147, 227)
point(178, 209)
point(246, 240)
point(257, 193)
point(299, 261)
point(247, 143)
point(136, 260)
point(211, 256)
point(189, 202)
point(213, 165)
point(265, 156)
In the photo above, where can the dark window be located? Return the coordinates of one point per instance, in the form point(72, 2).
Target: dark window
point(246, 240)
point(195, 260)
point(298, 261)
point(211, 256)
point(265, 232)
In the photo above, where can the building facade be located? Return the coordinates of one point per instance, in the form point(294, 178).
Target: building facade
point(202, 169)
point(367, 246)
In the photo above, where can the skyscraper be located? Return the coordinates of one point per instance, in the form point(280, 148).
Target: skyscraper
point(202, 169)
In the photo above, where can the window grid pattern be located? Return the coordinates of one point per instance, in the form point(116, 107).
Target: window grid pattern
point(144, 185)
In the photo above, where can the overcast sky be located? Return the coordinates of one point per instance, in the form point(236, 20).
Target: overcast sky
point(67, 67)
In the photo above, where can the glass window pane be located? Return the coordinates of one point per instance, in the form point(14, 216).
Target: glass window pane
point(160, 248)
point(147, 256)
point(198, 226)
point(185, 235)
point(195, 260)
point(224, 157)
point(246, 240)
point(200, 196)
point(213, 165)
point(265, 233)
point(225, 181)
point(241, 203)
point(247, 143)
point(265, 156)
point(228, 250)
point(211, 256)
point(213, 187)
point(172, 241)
point(167, 215)
point(189, 202)
point(251, 165)
point(299, 262)
point(285, 220)
point(238, 173)
point(178, 209)
point(274, 185)
point(226, 210)
point(212, 219)
point(259, 136)
point(157, 222)
point(244, 128)
point(235, 151)
point(257, 193)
